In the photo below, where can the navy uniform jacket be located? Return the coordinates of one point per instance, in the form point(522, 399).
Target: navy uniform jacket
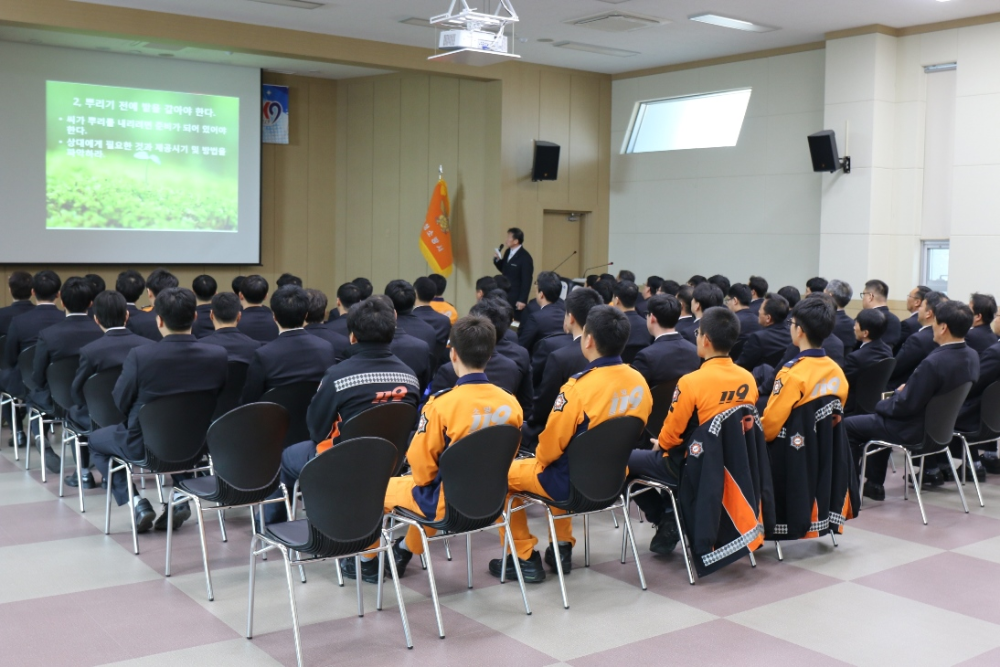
point(562, 364)
point(338, 324)
point(258, 323)
point(294, 356)
point(10, 312)
point(843, 329)
point(915, 349)
point(440, 323)
point(519, 272)
point(107, 352)
point(239, 346)
point(980, 338)
point(143, 323)
point(417, 328)
point(766, 346)
point(59, 341)
point(755, 305)
point(22, 334)
point(668, 358)
point(642, 307)
point(500, 371)
point(510, 336)
point(540, 323)
point(867, 355)
point(323, 330)
point(907, 328)
point(944, 369)
point(892, 334)
point(689, 329)
point(638, 333)
point(989, 372)
point(749, 324)
point(543, 349)
point(203, 325)
point(415, 353)
point(522, 360)
point(832, 345)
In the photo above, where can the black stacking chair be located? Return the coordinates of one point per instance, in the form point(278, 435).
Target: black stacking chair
point(988, 433)
point(15, 403)
point(229, 399)
point(628, 354)
point(173, 432)
point(870, 385)
point(97, 392)
point(474, 482)
point(663, 397)
point(345, 489)
point(939, 429)
point(295, 398)
point(598, 460)
point(26, 363)
point(245, 446)
point(59, 377)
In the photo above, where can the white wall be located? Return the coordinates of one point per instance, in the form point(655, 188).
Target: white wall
point(750, 209)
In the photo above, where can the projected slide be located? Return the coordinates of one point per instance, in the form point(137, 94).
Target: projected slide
point(136, 159)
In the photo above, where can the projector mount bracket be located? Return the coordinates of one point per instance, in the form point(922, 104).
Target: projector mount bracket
point(468, 18)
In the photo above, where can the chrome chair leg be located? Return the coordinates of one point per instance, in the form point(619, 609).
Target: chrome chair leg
point(954, 473)
point(357, 581)
point(777, 547)
point(753, 561)
point(468, 556)
point(131, 508)
point(614, 518)
point(291, 601)
point(555, 549)
point(433, 582)
point(253, 577)
point(635, 551)
point(586, 539)
point(833, 538)
point(204, 546)
point(916, 484)
point(447, 548)
point(62, 460)
point(399, 591)
point(170, 534)
point(222, 522)
point(684, 543)
point(971, 466)
point(509, 544)
point(79, 473)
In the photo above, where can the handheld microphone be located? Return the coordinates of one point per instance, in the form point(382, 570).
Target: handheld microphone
point(564, 261)
point(599, 266)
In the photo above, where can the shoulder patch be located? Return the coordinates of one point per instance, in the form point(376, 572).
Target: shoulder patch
point(560, 403)
point(778, 384)
point(422, 424)
point(677, 395)
point(696, 449)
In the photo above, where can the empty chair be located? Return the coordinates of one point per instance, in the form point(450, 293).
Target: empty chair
point(229, 399)
point(988, 433)
point(295, 398)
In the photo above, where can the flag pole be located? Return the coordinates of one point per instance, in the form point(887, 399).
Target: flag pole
point(440, 172)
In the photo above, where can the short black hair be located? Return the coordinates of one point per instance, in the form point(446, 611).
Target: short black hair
point(425, 288)
point(610, 329)
point(440, 282)
point(496, 294)
point(758, 285)
point(372, 320)
point(290, 305)
point(625, 274)
point(816, 317)
point(776, 306)
point(159, 280)
point(984, 305)
point(204, 287)
point(721, 327)
point(517, 234)
point(878, 288)
point(591, 279)
point(934, 301)
point(502, 281)
point(288, 279)
point(873, 321)
point(402, 295)
point(46, 285)
point(550, 285)
point(605, 289)
point(237, 284)
point(317, 306)
point(254, 289)
point(816, 284)
point(473, 338)
point(130, 284)
point(348, 294)
point(365, 286)
point(20, 285)
point(627, 293)
point(580, 301)
point(110, 309)
point(708, 295)
point(653, 284)
point(696, 280)
point(225, 307)
point(671, 287)
point(721, 282)
point(956, 316)
point(665, 309)
point(176, 306)
point(486, 284)
point(684, 296)
point(921, 291)
point(791, 294)
point(609, 278)
point(77, 294)
point(96, 282)
point(497, 311)
point(741, 293)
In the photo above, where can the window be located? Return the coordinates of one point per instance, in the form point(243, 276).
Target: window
point(934, 265)
point(682, 123)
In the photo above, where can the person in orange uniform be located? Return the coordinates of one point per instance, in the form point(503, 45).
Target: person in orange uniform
point(811, 374)
point(439, 304)
point(449, 415)
point(699, 396)
point(605, 389)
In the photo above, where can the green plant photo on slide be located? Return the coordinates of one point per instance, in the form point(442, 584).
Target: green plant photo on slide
point(131, 158)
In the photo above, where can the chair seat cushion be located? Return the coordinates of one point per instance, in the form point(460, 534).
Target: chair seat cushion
point(290, 533)
point(202, 487)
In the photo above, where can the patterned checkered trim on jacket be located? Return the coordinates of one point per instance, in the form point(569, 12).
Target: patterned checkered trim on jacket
point(829, 409)
point(814, 527)
point(741, 542)
point(717, 420)
point(376, 378)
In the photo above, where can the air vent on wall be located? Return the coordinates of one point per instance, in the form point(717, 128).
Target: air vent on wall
point(616, 22)
point(594, 48)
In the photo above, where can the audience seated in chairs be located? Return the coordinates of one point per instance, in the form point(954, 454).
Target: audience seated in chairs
point(131, 285)
point(439, 304)
point(843, 329)
point(868, 330)
point(257, 320)
point(920, 344)
point(669, 356)
point(204, 288)
point(225, 316)
point(768, 345)
point(544, 315)
point(626, 294)
point(348, 294)
point(317, 325)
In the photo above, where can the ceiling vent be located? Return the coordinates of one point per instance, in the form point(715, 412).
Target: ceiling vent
point(616, 22)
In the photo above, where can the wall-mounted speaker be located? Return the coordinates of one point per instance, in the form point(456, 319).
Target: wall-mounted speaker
point(823, 148)
point(546, 164)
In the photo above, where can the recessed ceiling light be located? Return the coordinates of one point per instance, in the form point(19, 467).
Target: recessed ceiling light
point(546, 40)
point(417, 21)
point(593, 48)
point(729, 22)
point(298, 4)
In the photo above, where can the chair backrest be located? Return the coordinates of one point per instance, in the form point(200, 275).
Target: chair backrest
point(26, 364)
point(663, 397)
point(990, 407)
point(344, 489)
point(598, 460)
point(174, 429)
point(941, 413)
point(59, 376)
point(236, 378)
point(474, 476)
point(870, 383)
point(100, 403)
point(3, 344)
point(246, 445)
point(295, 398)
point(392, 421)
point(628, 354)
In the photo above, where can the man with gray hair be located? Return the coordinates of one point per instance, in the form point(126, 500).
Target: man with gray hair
point(843, 328)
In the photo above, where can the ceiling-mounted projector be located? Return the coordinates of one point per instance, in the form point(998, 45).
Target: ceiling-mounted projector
point(473, 37)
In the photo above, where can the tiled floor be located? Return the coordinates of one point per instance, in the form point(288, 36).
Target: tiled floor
point(894, 592)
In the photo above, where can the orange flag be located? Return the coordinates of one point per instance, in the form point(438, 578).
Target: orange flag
point(435, 237)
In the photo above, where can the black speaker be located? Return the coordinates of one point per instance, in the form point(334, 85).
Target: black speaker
point(546, 165)
point(823, 148)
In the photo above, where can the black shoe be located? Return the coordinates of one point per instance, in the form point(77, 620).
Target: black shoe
point(144, 516)
point(88, 480)
point(22, 440)
point(182, 512)
point(874, 491)
point(531, 569)
point(991, 465)
point(979, 471)
point(369, 570)
point(401, 555)
point(104, 483)
point(52, 460)
point(565, 555)
point(933, 477)
point(666, 538)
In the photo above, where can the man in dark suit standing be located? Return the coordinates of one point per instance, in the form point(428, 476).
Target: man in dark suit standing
point(295, 355)
point(670, 356)
point(876, 295)
point(178, 364)
point(257, 320)
point(225, 316)
point(204, 288)
point(868, 330)
point(516, 265)
point(130, 284)
point(547, 318)
point(19, 285)
point(316, 324)
point(768, 345)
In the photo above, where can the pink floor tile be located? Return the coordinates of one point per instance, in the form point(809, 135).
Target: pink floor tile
point(41, 522)
point(947, 528)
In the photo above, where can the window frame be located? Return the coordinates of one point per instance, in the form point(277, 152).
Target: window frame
point(638, 113)
point(926, 246)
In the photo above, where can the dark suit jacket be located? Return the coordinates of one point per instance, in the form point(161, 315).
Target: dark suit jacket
point(258, 323)
point(562, 364)
point(323, 330)
point(543, 349)
point(843, 329)
point(859, 360)
point(519, 272)
point(500, 370)
point(521, 358)
point(510, 336)
point(642, 307)
point(907, 328)
point(143, 323)
point(416, 354)
point(667, 359)
point(10, 312)
point(686, 326)
point(59, 341)
point(749, 323)
point(914, 350)
point(755, 305)
point(107, 352)
point(22, 334)
point(416, 327)
point(294, 356)
point(980, 338)
point(338, 324)
point(767, 346)
point(239, 346)
point(989, 372)
point(203, 325)
point(440, 323)
point(541, 322)
point(892, 333)
point(833, 346)
point(638, 333)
